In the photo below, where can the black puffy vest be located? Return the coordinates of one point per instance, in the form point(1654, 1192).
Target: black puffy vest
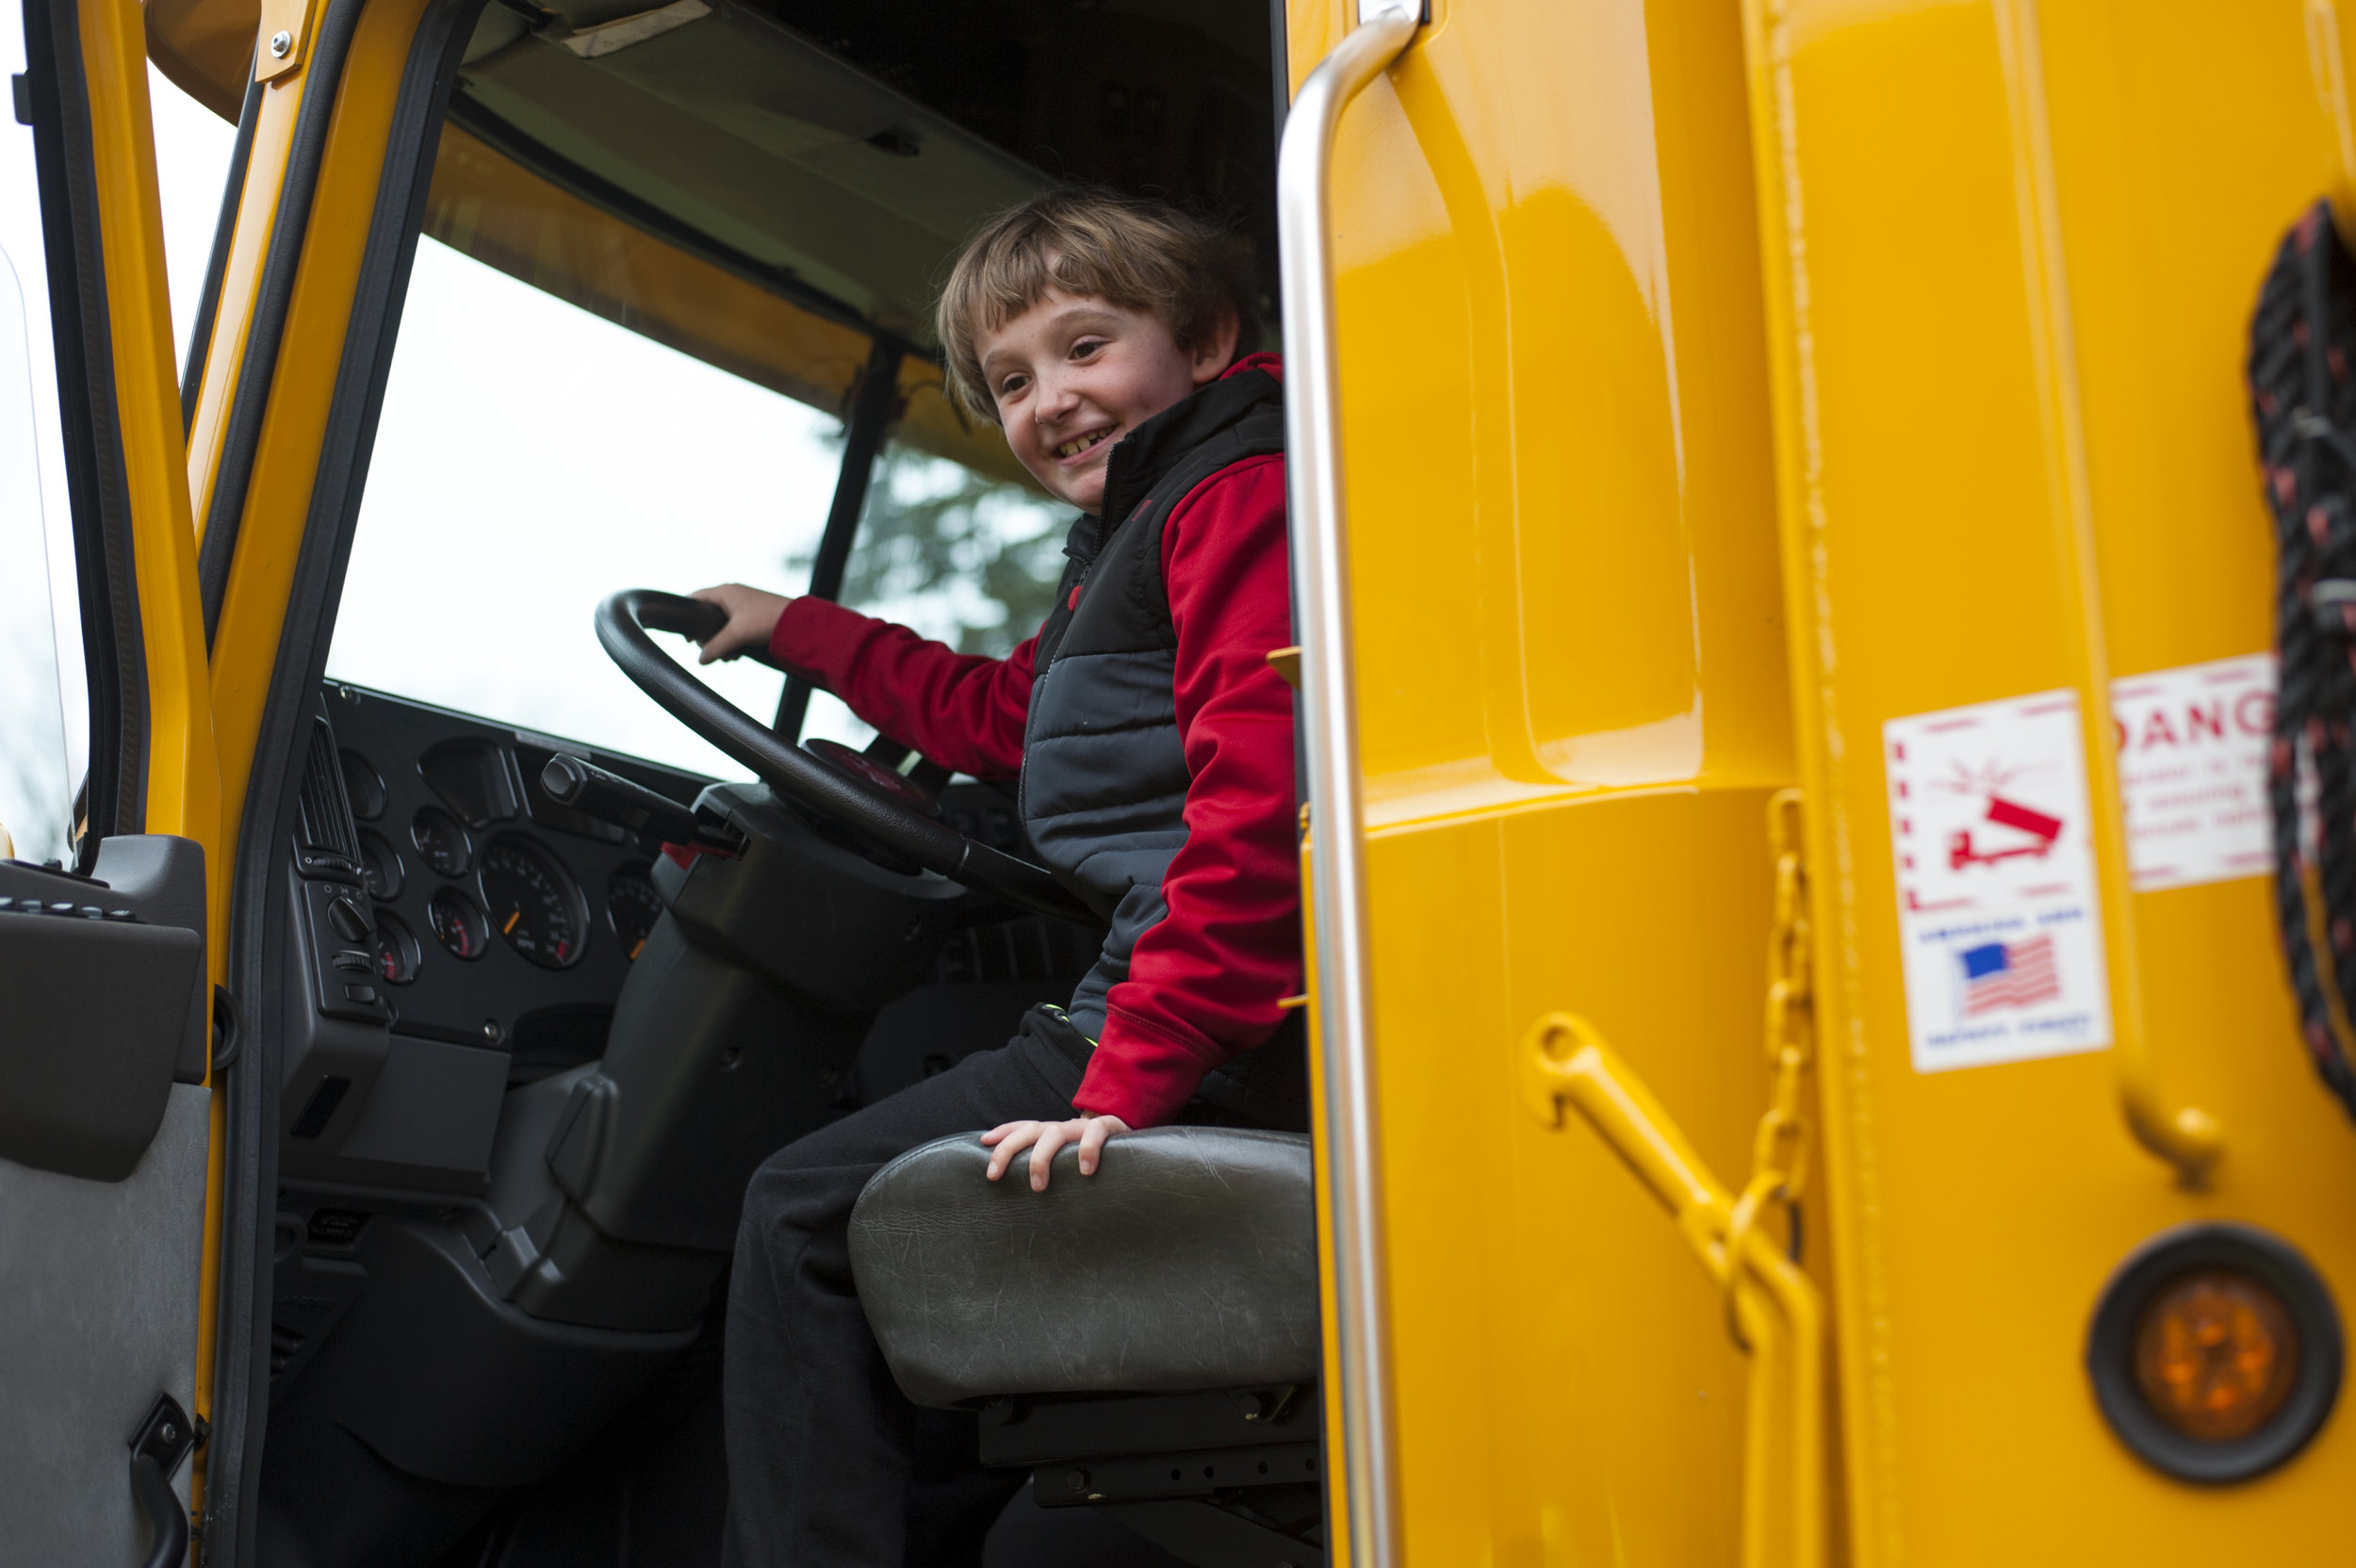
point(1104, 778)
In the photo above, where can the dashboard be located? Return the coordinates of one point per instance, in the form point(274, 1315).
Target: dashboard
point(500, 917)
point(455, 933)
point(450, 942)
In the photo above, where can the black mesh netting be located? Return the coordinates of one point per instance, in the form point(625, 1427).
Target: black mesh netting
point(2301, 343)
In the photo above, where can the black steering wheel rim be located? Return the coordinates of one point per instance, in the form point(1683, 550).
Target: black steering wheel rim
point(623, 622)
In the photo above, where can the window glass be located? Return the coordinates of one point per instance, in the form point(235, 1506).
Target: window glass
point(36, 800)
point(958, 556)
point(44, 715)
point(533, 458)
point(192, 148)
point(44, 709)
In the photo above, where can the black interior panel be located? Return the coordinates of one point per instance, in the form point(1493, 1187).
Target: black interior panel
point(508, 1179)
point(104, 978)
point(486, 776)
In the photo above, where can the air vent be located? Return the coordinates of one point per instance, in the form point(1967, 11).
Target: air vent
point(326, 841)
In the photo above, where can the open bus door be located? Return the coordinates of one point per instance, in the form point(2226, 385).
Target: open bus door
point(105, 1120)
point(1545, 718)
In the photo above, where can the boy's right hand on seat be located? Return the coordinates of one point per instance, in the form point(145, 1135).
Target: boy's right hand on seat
point(752, 620)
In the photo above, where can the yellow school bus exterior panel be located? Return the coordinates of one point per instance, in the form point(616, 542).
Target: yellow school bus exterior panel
point(2012, 249)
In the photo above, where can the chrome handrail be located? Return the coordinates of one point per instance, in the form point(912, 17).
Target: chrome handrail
point(1337, 899)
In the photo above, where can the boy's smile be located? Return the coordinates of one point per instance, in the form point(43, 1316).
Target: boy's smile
point(1079, 444)
point(1073, 375)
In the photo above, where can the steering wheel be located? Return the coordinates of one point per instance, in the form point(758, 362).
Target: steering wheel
point(839, 794)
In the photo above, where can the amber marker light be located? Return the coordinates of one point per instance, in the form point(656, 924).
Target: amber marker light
point(2215, 1352)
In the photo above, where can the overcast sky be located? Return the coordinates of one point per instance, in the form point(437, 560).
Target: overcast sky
point(530, 460)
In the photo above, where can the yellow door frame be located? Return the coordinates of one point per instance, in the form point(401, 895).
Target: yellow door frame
point(296, 275)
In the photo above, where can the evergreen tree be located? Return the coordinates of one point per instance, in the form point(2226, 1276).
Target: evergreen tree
point(972, 560)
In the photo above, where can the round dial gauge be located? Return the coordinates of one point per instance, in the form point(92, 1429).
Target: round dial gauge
point(442, 840)
point(364, 784)
point(535, 902)
point(395, 947)
point(380, 864)
point(633, 907)
point(459, 923)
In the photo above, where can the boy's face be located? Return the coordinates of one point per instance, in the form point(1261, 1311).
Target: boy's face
point(1072, 375)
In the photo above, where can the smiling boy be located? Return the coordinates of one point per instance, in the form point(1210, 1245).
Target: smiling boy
point(1155, 752)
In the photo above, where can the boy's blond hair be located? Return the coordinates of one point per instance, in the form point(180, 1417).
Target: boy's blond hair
point(1128, 251)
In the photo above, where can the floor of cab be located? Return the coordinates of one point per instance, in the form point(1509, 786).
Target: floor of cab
point(661, 1504)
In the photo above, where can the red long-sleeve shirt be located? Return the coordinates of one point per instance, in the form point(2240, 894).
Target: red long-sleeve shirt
point(1205, 981)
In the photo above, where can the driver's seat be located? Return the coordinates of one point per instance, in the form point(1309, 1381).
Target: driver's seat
point(1145, 1340)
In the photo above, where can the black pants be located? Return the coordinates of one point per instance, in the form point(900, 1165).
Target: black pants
point(829, 1466)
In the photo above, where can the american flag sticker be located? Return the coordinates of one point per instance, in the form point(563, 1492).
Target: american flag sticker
point(1999, 929)
point(2008, 974)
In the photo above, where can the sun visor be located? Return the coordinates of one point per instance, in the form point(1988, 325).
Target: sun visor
point(746, 141)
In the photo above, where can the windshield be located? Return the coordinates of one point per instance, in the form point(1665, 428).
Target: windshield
point(533, 458)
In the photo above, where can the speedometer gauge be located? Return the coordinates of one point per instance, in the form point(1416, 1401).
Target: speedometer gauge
point(533, 902)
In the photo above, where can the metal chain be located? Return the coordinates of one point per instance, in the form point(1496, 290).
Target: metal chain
point(1779, 1148)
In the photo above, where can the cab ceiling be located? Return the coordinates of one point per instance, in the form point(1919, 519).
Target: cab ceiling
point(840, 149)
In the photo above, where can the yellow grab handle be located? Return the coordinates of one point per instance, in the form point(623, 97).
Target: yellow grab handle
point(1779, 1316)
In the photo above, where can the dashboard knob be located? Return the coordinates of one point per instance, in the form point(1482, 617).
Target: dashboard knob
point(345, 916)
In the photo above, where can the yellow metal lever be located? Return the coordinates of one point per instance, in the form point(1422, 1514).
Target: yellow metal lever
point(1778, 1314)
point(2188, 1138)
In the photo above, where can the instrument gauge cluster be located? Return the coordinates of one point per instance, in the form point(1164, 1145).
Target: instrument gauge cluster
point(501, 915)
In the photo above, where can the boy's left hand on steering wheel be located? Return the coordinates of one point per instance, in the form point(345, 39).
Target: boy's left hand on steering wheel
point(1042, 1139)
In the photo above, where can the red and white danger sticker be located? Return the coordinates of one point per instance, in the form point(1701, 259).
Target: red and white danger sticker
point(2192, 771)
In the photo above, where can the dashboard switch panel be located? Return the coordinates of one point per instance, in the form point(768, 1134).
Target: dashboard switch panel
point(341, 925)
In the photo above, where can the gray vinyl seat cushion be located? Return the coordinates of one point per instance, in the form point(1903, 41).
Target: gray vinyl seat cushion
point(1189, 1261)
